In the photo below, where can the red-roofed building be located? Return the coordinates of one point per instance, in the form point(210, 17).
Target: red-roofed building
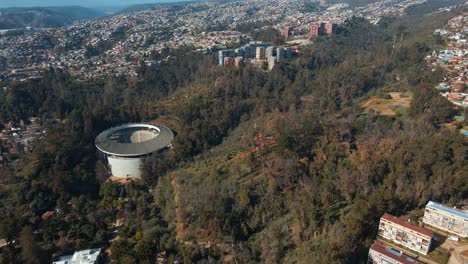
point(229, 61)
point(455, 60)
point(378, 253)
point(330, 28)
point(45, 216)
point(457, 87)
point(314, 30)
point(405, 233)
point(285, 32)
point(455, 96)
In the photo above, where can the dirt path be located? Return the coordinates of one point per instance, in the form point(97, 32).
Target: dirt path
point(459, 253)
point(178, 214)
point(401, 99)
point(371, 101)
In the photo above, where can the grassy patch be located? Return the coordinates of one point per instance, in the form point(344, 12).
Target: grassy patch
point(394, 103)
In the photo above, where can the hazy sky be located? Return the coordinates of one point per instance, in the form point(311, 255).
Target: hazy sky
point(87, 3)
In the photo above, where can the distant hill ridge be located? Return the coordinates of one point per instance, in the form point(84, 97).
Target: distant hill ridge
point(140, 7)
point(39, 17)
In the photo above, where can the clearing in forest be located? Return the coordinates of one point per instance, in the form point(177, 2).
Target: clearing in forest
point(180, 221)
point(397, 103)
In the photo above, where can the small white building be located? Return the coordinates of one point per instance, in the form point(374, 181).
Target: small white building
point(379, 254)
point(88, 256)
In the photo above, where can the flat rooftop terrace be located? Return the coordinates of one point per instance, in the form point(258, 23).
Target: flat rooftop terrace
point(133, 135)
point(131, 140)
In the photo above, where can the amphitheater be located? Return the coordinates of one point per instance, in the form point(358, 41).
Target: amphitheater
point(126, 146)
point(134, 135)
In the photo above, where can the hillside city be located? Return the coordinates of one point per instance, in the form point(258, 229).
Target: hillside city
point(120, 45)
point(115, 45)
point(453, 60)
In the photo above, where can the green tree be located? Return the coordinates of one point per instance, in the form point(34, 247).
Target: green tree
point(31, 252)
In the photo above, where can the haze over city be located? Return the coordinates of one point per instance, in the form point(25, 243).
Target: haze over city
point(85, 3)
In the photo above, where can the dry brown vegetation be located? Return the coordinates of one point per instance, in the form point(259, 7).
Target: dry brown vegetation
point(398, 104)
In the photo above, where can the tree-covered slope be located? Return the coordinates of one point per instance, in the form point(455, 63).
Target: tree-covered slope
point(284, 166)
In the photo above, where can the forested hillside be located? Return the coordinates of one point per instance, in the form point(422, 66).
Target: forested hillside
point(284, 166)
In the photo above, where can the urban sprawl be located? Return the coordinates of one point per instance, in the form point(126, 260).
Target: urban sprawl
point(115, 45)
point(453, 60)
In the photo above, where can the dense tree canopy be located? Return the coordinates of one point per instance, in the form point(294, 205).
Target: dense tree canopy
point(274, 167)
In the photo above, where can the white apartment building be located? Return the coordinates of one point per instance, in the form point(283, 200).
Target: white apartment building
point(379, 254)
point(404, 233)
point(446, 218)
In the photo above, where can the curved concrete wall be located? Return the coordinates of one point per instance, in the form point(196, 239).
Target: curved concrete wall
point(125, 167)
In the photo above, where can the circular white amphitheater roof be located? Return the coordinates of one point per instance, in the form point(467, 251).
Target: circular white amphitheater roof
point(131, 140)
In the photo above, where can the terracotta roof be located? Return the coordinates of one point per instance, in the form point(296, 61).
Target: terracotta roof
point(393, 254)
point(408, 225)
point(47, 215)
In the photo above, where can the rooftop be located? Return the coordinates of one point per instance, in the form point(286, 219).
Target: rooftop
point(408, 225)
point(393, 254)
point(130, 140)
point(447, 209)
point(88, 256)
